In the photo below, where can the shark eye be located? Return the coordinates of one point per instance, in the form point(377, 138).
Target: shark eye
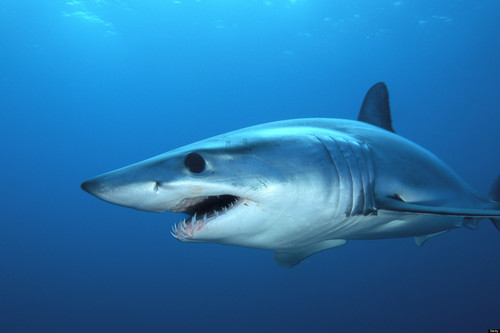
point(194, 162)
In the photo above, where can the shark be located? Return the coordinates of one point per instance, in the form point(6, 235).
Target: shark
point(301, 186)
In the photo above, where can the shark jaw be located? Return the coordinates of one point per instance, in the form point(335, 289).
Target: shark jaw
point(203, 211)
point(207, 214)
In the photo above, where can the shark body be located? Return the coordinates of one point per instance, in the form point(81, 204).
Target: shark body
point(302, 186)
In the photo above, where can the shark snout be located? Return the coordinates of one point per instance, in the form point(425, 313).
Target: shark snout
point(100, 187)
point(91, 186)
point(126, 189)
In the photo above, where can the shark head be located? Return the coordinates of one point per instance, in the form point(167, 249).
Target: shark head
point(246, 188)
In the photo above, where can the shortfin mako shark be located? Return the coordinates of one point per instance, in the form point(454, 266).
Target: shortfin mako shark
point(302, 186)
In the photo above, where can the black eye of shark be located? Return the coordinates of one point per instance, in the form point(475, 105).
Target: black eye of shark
point(195, 162)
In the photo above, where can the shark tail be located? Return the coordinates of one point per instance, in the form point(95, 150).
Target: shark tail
point(495, 195)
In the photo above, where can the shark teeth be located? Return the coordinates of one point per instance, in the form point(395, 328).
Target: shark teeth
point(173, 232)
point(186, 228)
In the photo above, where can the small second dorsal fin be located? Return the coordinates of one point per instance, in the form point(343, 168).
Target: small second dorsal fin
point(375, 109)
point(495, 190)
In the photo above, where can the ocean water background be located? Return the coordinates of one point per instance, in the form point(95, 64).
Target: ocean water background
point(89, 86)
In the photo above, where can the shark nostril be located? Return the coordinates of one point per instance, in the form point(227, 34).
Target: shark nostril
point(156, 186)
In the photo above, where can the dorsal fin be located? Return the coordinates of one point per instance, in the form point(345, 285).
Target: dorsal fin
point(375, 109)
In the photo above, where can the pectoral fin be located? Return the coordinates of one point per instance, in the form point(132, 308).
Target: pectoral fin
point(420, 240)
point(396, 204)
point(291, 257)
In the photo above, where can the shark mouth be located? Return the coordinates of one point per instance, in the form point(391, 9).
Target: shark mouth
point(202, 210)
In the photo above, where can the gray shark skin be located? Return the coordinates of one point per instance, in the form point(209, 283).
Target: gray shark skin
point(301, 186)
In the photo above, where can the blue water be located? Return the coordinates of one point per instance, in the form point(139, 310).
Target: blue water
point(89, 86)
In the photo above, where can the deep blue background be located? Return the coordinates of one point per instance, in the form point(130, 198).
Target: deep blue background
point(90, 86)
